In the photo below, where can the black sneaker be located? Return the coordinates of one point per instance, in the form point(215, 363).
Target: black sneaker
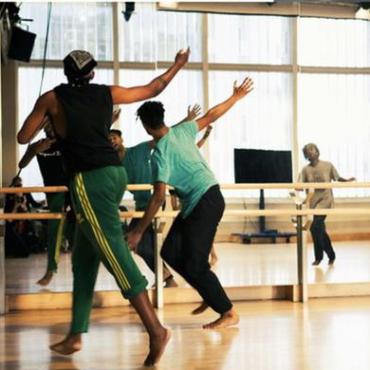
point(316, 262)
point(331, 261)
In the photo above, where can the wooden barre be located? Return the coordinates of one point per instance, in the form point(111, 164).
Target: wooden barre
point(58, 189)
point(232, 212)
point(143, 187)
point(34, 189)
point(296, 185)
point(31, 216)
point(267, 212)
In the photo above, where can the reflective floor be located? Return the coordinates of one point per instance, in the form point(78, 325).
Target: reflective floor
point(324, 334)
point(238, 265)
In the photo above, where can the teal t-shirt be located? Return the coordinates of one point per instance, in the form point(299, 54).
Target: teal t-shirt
point(177, 161)
point(139, 171)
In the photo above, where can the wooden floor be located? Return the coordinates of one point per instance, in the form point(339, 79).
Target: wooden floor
point(238, 265)
point(324, 334)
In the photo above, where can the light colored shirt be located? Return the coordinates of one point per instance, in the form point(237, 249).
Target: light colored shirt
point(322, 172)
point(177, 161)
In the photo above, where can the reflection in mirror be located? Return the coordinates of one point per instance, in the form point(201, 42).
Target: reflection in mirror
point(267, 122)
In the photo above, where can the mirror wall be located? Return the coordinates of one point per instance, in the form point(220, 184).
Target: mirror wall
point(325, 103)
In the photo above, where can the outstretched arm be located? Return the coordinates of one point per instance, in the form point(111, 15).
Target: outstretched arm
point(335, 176)
point(33, 149)
point(36, 120)
point(155, 202)
point(341, 179)
point(193, 112)
point(217, 111)
point(125, 95)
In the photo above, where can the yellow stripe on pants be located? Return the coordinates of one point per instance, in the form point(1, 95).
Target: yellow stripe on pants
point(99, 235)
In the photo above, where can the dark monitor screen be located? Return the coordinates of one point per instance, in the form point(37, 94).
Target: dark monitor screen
point(258, 166)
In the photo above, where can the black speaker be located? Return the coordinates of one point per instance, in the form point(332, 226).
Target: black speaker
point(129, 10)
point(21, 44)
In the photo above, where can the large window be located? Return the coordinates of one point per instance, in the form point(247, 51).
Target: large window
point(162, 35)
point(334, 103)
point(86, 26)
point(185, 87)
point(262, 120)
point(314, 91)
point(249, 39)
point(334, 113)
point(334, 42)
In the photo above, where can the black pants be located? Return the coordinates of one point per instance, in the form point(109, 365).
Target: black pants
point(321, 239)
point(188, 244)
point(145, 249)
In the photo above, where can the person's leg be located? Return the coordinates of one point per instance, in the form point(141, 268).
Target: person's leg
point(85, 263)
point(145, 250)
point(54, 236)
point(172, 249)
point(97, 195)
point(212, 261)
point(199, 231)
point(187, 248)
point(318, 234)
point(158, 335)
point(327, 245)
point(10, 240)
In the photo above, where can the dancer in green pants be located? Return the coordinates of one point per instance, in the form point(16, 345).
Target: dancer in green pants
point(81, 115)
point(95, 195)
point(49, 158)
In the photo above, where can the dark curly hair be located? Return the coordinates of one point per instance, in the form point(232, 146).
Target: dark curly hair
point(151, 114)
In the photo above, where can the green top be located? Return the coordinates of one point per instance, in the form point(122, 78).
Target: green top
point(137, 164)
point(177, 161)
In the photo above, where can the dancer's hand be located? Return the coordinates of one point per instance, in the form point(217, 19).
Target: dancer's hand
point(43, 144)
point(193, 112)
point(182, 57)
point(243, 89)
point(133, 240)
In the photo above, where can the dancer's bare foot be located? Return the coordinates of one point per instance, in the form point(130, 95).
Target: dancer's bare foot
point(200, 309)
point(228, 318)
point(45, 280)
point(70, 344)
point(157, 346)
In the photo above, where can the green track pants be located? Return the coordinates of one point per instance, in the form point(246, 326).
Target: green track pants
point(55, 230)
point(96, 196)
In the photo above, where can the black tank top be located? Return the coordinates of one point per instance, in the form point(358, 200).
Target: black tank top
point(51, 166)
point(88, 112)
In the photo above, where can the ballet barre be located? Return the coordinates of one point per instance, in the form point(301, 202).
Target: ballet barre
point(145, 187)
point(299, 212)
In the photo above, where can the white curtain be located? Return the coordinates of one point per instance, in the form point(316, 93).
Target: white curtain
point(184, 90)
point(262, 120)
point(333, 108)
point(334, 42)
point(79, 25)
point(162, 35)
point(334, 113)
point(249, 39)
